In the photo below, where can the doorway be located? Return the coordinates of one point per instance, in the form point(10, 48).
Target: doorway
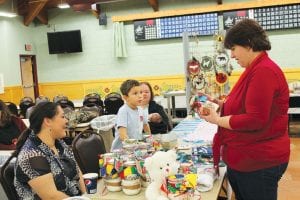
point(29, 76)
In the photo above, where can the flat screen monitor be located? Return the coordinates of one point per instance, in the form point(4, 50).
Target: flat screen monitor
point(64, 42)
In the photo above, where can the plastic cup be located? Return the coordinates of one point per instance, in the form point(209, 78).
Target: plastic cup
point(90, 182)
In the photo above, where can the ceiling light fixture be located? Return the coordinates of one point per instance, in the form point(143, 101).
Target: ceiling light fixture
point(7, 14)
point(63, 5)
point(12, 13)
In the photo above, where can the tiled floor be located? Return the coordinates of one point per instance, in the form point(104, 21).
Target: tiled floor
point(295, 128)
point(290, 182)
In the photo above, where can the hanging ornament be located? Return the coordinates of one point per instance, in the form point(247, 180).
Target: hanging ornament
point(229, 69)
point(221, 60)
point(206, 63)
point(220, 38)
point(193, 66)
point(198, 81)
point(219, 41)
point(221, 78)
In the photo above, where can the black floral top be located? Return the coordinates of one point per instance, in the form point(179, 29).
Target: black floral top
point(36, 159)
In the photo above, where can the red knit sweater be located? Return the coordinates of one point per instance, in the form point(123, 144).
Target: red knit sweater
point(258, 106)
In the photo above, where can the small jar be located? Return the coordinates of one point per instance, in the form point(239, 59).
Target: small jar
point(145, 180)
point(131, 187)
point(130, 164)
point(113, 184)
point(175, 184)
point(108, 156)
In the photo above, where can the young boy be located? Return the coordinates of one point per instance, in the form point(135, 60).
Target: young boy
point(130, 120)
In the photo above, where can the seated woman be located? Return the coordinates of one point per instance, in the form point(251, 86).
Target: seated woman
point(45, 167)
point(11, 128)
point(158, 119)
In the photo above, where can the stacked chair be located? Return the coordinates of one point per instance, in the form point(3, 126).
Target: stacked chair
point(92, 102)
point(25, 103)
point(38, 100)
point(66, 104)
point(113, 102)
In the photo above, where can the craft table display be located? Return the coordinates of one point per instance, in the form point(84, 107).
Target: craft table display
point(105, 195)
point(193, 132)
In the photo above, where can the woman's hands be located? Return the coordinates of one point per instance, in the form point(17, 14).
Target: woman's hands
point(154, 117)
point(209, 114)
point(213, 117)
point(211, 99)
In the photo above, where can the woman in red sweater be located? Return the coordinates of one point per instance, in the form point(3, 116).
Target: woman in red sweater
point(252, 134)
point(11, 128)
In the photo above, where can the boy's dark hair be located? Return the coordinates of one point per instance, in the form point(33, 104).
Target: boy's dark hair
point(127, 85)
point(247, 33)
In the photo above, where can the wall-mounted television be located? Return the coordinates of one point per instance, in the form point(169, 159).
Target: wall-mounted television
point(64, 42)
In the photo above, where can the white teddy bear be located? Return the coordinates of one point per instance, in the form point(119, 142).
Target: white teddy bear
point(159, 166)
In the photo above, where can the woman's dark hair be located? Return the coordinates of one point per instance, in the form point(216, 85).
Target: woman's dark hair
point(150, 88)
point(40, 112)
point(247, 33)
point(5, 114)
point(127, 85)
point(12, 108)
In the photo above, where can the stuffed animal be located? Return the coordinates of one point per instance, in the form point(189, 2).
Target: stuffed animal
point(159, 166)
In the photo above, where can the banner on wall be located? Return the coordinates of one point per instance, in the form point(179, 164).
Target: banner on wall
point(1, 84)
point(173, 27)
point(231, 18)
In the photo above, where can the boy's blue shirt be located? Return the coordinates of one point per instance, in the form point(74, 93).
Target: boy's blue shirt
point(133, 120)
